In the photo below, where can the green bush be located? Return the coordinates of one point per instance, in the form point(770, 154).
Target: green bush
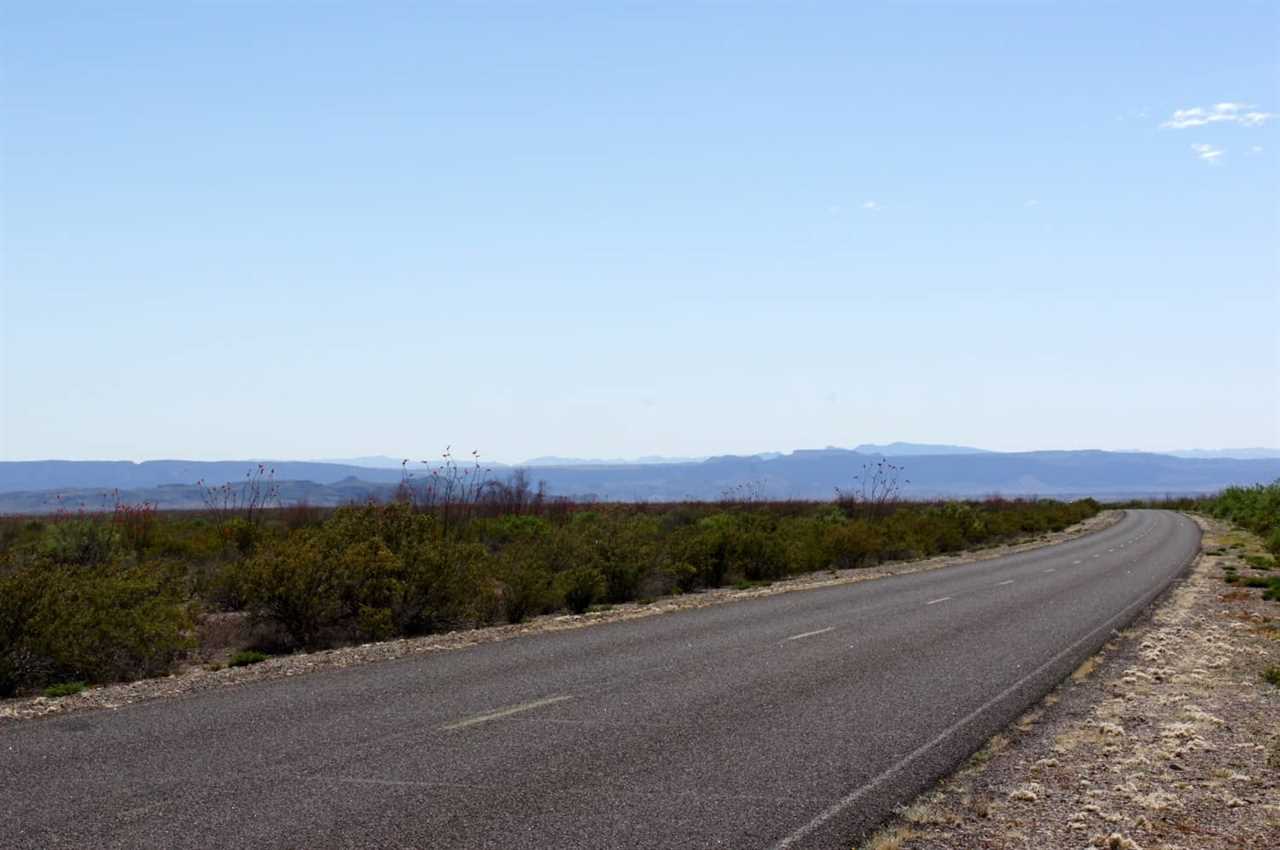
point(116, 622)
point(247, 657)
point(446, 585)
point(82, 541)
point(852, 544)
point(1259, 562)
point(242, 535)
point(526, 590)
point(293, 583)
point(65, 689)
point(1273, 542)
point(579, 588)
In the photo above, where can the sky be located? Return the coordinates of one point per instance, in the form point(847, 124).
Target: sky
point(314, 230)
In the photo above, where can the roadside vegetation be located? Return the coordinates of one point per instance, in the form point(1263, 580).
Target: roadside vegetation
point(1253, 558)
point(130, 592)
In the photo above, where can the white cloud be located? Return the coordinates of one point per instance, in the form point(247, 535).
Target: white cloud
point(871, 205)
point(1032, 202)
point(1208, 153)
point(1255, 149)
point(1242, 114)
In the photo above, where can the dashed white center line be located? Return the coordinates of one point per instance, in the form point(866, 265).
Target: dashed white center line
point(936, 601)
point(1076, 562)
point(998, 584)
point(1049, 570)
point(811, 634)
point(502, 712)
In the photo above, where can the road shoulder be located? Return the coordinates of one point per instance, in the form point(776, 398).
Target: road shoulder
point(1168, 738)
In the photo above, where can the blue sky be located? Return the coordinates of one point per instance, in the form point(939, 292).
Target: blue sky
point(302, 230)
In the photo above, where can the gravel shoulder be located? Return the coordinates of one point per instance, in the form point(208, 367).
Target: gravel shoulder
point(1168, 739)
point(201, 678)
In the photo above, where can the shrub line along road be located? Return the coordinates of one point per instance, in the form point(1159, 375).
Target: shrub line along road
point(795, 720)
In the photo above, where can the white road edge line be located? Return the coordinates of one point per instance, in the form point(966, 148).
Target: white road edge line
point(858, 793)
point(502, 712)
point(810, 634)
point(1049, 570)
point(936, 601)
point(998, 584)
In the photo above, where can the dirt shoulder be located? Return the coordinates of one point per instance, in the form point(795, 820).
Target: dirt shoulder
point(1168, 739)
point(201, 678)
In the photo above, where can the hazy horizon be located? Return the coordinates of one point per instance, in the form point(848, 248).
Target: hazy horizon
point(301, 231)
point(465, 457)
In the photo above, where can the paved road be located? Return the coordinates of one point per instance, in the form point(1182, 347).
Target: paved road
point(795, 720)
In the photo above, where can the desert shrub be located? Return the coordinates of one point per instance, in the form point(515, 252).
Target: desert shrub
point(301, 515)
point(246, 657)
point(1256, 508)
point(446, 584)
point(579, 588)
point(852, 544)
point(526, 588)
point(376, 623)
point(370, 572)
point(136, 525)
point(295, 583)
point(20, 663)
point(682, 577)
point(195, 539)
point(704, 546)
point(1259, 562)
point(368, 575)
point(242, 535)
point(84, 540)
point(757, 555)
point(625, 551)
point(397, 525)
point(65, 689)
point(507, 529)
point(61, 622)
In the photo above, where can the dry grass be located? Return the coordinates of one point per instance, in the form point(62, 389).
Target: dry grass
point(1086, 669)
point(891, 838)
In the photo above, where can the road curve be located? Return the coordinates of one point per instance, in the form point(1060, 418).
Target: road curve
point(796, 720)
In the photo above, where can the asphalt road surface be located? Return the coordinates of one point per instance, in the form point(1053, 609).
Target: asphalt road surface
point(796, 720)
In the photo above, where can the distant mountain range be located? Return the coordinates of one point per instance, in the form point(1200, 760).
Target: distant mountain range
point(927, 471)
point(647, 460)
point(1239, 454)
point(917, 449)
